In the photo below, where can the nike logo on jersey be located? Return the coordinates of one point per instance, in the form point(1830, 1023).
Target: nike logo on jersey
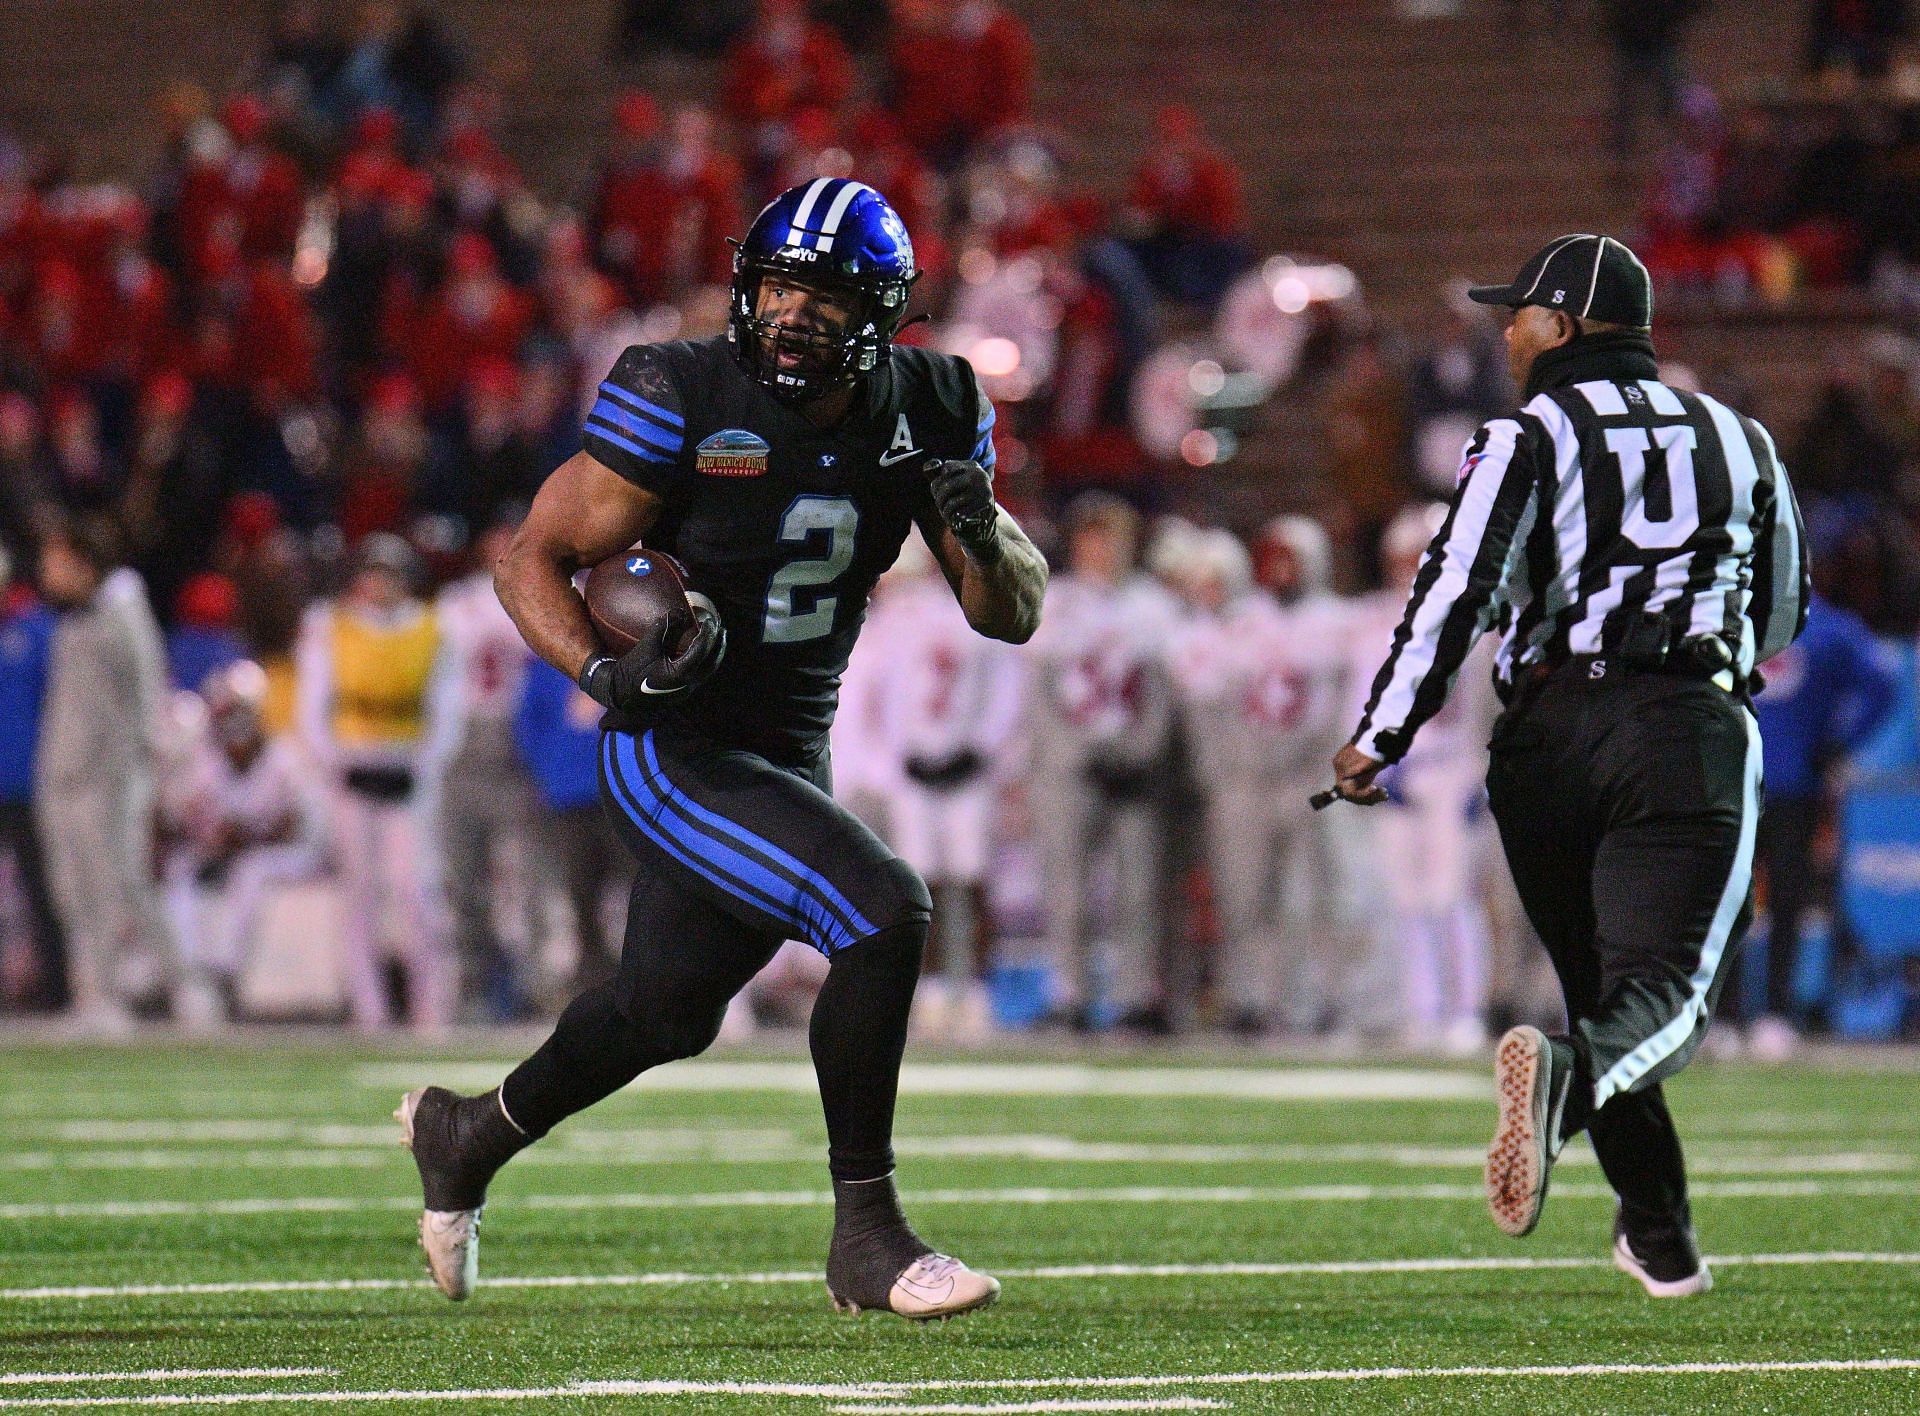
point(887, 459)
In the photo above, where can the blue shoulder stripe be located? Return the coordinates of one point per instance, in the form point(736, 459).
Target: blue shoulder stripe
point(607, 411)
point(597, 429)
point(666, 417)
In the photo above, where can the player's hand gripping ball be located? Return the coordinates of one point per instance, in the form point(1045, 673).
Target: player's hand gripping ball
point(662, 637)
point(963, 492)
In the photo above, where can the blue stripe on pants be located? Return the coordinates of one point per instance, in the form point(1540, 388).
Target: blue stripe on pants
point(802, 874)
point(630, 806)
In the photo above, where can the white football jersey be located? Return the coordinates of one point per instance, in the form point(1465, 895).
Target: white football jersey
point(1263, 685)
point(277, 785)
point(493, 657)
point(1095, 646)
point(945, 689)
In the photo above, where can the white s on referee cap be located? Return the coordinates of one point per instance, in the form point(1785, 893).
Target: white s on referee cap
point(1588, 277)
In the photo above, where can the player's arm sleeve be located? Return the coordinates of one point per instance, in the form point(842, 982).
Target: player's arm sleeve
point(967, 401)
point(1455, 591)
point(637, 425)
point(1782, 581)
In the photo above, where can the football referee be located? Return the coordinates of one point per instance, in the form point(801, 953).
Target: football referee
point(1638, 549)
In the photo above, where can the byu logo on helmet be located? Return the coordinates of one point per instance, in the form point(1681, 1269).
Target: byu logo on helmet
point(639, 565)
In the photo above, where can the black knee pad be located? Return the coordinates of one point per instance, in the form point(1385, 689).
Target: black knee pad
point(895, 952)
point(904, 901)
point(666, 1029)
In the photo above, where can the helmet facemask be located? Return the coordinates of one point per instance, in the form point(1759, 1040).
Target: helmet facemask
point(826, 363)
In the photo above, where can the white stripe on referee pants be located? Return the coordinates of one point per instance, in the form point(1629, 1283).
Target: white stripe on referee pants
point(1663, 1044)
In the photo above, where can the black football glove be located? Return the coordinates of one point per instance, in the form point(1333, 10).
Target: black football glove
point(963, 491)
point(646, 679)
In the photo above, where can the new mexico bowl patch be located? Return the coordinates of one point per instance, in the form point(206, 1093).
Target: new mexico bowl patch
point(731, 452)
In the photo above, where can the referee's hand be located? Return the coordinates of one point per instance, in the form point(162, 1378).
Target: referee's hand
point(1353, 774)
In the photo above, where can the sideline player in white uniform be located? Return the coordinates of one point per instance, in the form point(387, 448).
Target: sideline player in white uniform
point(1102, 717)
point(486, 799)
point(1262, 685)
point(946, 709)
point(1426, 839)
point(249, 817)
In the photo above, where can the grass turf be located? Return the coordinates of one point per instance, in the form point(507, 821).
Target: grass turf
point(165, 1166)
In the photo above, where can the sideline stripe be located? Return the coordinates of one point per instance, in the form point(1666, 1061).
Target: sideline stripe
point(874, 1397)
point(1031, 1195)
point(80, 1292)
point(160, 1374)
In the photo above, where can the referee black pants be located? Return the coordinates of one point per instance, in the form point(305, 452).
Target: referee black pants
point(1628, 805)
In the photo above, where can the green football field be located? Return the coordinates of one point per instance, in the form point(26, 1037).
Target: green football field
point(1180, 1232)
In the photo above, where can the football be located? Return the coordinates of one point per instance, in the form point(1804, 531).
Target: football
point(638, 597)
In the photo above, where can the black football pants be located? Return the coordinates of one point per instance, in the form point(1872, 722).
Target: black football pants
point(738, 853)
point(1628, 806)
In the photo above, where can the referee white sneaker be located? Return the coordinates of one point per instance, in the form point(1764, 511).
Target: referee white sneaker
point(1531, 1079)
point(1667, 1265)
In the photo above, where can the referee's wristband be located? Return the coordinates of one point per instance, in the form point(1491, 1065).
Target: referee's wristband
point(596, 679)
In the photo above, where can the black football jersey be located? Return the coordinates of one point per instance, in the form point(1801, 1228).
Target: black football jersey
point(785, 526)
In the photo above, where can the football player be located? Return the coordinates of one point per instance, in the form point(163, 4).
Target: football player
point(783, 464)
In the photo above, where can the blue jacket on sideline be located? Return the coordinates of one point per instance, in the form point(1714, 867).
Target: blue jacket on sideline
point(1829, 691)
point(557, 729)
point(26, 641)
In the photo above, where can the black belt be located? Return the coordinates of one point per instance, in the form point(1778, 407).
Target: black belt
point(1705, 658)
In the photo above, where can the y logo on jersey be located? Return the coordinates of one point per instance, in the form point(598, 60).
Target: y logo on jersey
point(731, 452)
point(901, 446)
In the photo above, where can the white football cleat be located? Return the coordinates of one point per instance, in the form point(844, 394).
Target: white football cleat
point(452, 1241)
point(934, 1286)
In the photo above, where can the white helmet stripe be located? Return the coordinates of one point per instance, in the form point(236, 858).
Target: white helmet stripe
point(841, 201)
point(805, 209)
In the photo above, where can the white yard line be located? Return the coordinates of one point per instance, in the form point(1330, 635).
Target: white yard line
point(152, 1145)
point(160, 1374)
point(741, 1148)
point(270, 1205)
point(1013, 1079)
point(1168, 1403)
point(886, 1398)
point(671, 1279)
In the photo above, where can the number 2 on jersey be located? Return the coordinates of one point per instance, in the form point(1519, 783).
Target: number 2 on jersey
point(787, 621)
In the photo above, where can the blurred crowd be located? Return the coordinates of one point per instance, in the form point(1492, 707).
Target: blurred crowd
point(1810, 182)
point(269, 745)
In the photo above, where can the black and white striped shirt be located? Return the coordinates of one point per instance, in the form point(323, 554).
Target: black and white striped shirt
point(1610, 497)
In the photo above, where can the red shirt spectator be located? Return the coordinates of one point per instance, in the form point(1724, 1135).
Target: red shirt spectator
point(781, 64)
point(251, 199)
point(957, 73)
point(253, 330)
point(1184, 183)
point(473, 316)
point(663, 223)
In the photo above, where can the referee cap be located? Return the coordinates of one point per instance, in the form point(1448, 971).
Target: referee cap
point(1588, 277)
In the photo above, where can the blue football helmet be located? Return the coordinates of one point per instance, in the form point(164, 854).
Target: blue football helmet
point(831, 234)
